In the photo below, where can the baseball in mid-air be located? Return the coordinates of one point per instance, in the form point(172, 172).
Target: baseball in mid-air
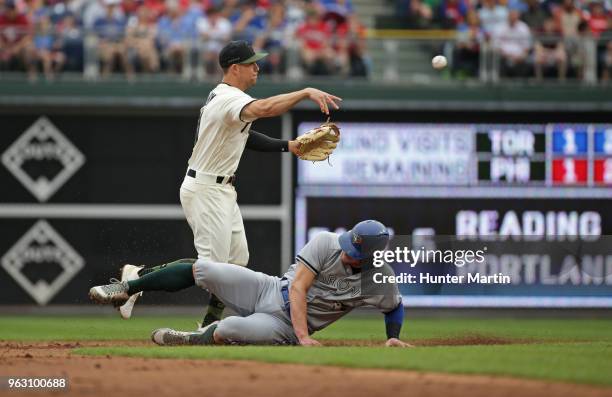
point(439, 62)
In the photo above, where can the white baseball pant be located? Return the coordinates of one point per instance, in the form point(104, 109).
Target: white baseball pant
point(214, 217)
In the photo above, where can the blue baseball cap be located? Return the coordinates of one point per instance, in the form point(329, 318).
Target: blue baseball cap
point(364, 238)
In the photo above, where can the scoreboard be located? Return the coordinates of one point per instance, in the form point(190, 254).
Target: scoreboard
point(511, 154)
point(482, 155)
point(541, 192)
point(551, 155)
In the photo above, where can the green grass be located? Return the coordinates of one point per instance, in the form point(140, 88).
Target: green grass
point(86, 327)
point(574, 350)
point(371, 328)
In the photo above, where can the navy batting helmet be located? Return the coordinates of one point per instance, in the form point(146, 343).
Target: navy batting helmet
point(365, 238)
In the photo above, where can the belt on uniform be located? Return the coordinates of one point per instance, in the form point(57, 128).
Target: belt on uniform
point(220, 179)
point(285, 294)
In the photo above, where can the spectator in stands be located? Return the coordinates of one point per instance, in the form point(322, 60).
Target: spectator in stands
point(535, 15)
point(193, 13)
point(519, 5)
point(295, 13)
point(229, 7)
point(336, 12)
point(599, 20)
point(418, 14)
point(315, 37)
point(15, 38)
point(174, 33)
point(549, 51)
point(493, 16)
point(94, 10)
point(467, 47)
point(215, 31)
point(585, 58)
point(141, 33)
point(56, 10)
point(130, 8)
point(452, 13)
point(351, 36)
point(110, 30)
point(248, 20)
point(513, 43)
point(71, 39)
point(273, 40)
point(569, 18)
point(156, 7)
point(46, 50)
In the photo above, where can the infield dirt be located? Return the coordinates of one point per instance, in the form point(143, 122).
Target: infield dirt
point(104, 376)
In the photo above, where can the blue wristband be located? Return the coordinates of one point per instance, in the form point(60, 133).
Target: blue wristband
point(394, 320)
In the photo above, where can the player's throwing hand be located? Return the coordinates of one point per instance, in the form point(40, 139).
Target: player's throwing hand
point(323, 99)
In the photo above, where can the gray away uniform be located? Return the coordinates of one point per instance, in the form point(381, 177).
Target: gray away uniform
point(257, 299)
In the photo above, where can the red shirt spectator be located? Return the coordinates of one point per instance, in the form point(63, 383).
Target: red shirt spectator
point(130, 7)
point(265, 4)
point(314, 33)
point(598, 21)
point(353, 31)
point(157, 7)
point(13, 26)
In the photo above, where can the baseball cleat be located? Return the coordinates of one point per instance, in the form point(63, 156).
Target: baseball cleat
point(205, 335)
point(171, 337)
point(116, 293)
point(129, 273)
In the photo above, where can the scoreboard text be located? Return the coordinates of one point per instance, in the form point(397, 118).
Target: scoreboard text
point(476, 155)
point(551, 155)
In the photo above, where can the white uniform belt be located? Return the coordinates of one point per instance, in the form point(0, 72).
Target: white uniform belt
point(210, 178)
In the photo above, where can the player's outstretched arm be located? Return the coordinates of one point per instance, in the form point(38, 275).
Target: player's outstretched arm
point(279, 104)
point(262, 143)
point(393, 324)
point(297, 296)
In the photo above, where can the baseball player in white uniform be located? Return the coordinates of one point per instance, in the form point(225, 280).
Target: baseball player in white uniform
point(332, 276)
point(207, 194)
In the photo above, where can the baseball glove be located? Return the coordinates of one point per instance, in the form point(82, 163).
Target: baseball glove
point(319, 143)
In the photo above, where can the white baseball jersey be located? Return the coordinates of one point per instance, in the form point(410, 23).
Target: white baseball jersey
point(222, 133)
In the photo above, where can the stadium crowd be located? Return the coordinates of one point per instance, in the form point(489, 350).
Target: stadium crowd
point(177, 36)
point(532, 37)
point(324, 37)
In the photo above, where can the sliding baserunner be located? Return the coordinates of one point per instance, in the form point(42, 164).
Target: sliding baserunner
point(324, 285)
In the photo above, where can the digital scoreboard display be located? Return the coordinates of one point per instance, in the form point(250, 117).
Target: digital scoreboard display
point(386, 154)
point(538, 196)
point(512, 154)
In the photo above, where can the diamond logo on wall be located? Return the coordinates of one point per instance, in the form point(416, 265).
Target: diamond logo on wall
point(42, 246)
point(42, 159)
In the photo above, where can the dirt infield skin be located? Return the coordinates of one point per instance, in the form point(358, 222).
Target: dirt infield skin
point(111, 376)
